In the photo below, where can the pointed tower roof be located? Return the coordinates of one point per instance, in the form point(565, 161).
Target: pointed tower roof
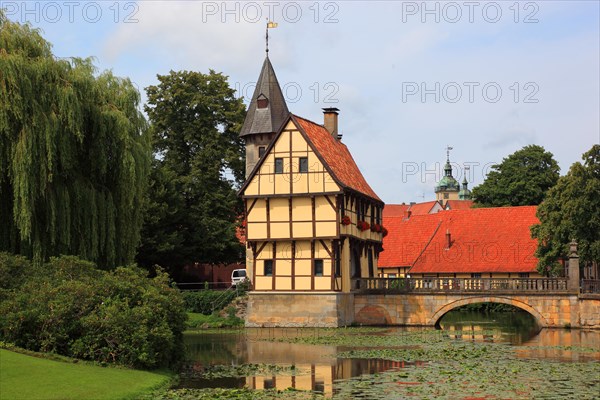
point(465, 193)
point(267, 109)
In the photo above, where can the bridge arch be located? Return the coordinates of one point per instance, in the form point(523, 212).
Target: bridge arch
point(541, 321)
point(373, 315)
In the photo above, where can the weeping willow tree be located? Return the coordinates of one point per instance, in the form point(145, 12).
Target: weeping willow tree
point(74, 154)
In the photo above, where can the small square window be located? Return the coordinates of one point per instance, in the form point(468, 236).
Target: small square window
point(303, 164)
point(261, 151)
point(476, 275)
point(318, 267)
point(446, 195)
point(268, 268)
point(523, 274)
point(319, 386)
point(269, 383)
point(279, 165)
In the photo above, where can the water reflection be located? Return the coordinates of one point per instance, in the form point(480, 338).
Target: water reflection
point(520, 329)
point(500, 327)
point(317, 367)
point(561, 345)
point(321, 378)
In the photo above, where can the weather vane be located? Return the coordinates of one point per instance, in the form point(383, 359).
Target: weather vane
point(270, 24)
point(448, 148)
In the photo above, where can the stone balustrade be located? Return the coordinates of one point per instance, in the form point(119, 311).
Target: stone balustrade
point(465, 285)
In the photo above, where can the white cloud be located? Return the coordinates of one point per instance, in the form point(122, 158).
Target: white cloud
point(187, 33)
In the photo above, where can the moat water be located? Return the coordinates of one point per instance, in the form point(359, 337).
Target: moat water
point(474, 355)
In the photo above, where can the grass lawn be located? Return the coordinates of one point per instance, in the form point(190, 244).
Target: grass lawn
point(33, 378)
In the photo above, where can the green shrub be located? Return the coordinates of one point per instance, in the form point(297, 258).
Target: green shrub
point(207, 301)
point(71, 308)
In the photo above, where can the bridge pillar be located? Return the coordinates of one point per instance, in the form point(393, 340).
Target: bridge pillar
point(573, 282)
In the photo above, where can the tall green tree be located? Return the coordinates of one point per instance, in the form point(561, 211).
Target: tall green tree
point(192, 206)
point(74, 154)
point(521, 179)
point(571, 210)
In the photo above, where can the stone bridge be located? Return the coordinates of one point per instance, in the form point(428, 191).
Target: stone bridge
point(557, 302)
point(423, 302)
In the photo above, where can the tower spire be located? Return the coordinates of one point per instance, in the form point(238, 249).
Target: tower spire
point(266, 112)
point(465, 193)
point(448, 167)
point(270, 24)
point(447, 188)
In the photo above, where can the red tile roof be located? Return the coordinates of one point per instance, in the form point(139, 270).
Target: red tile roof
point(395, 210)
point(406, 239)
point(337, 157)
point(459, 204)
point(422, 208)
point(482, 240)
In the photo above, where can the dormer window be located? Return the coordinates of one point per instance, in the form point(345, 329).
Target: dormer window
point(262, 101)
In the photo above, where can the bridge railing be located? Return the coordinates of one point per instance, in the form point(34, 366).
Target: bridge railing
point(465, 285)
point(590, 286)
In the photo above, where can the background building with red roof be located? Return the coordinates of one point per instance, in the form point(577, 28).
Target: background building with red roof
point(462, 243)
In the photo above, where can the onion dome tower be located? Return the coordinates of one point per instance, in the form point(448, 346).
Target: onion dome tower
point(447, 188)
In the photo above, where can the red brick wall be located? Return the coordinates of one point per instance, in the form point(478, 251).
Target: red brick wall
point(218, 275)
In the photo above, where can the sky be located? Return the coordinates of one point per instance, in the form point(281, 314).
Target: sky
point(410, 78)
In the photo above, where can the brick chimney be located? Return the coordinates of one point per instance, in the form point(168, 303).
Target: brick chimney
point(330, 116)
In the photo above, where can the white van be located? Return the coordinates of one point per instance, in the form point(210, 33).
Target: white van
point(237, 276)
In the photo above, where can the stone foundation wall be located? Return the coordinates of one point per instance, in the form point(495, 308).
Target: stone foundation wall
point(299, 309)
point(589, 312)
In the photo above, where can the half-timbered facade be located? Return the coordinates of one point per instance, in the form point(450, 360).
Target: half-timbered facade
point(312, 221)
